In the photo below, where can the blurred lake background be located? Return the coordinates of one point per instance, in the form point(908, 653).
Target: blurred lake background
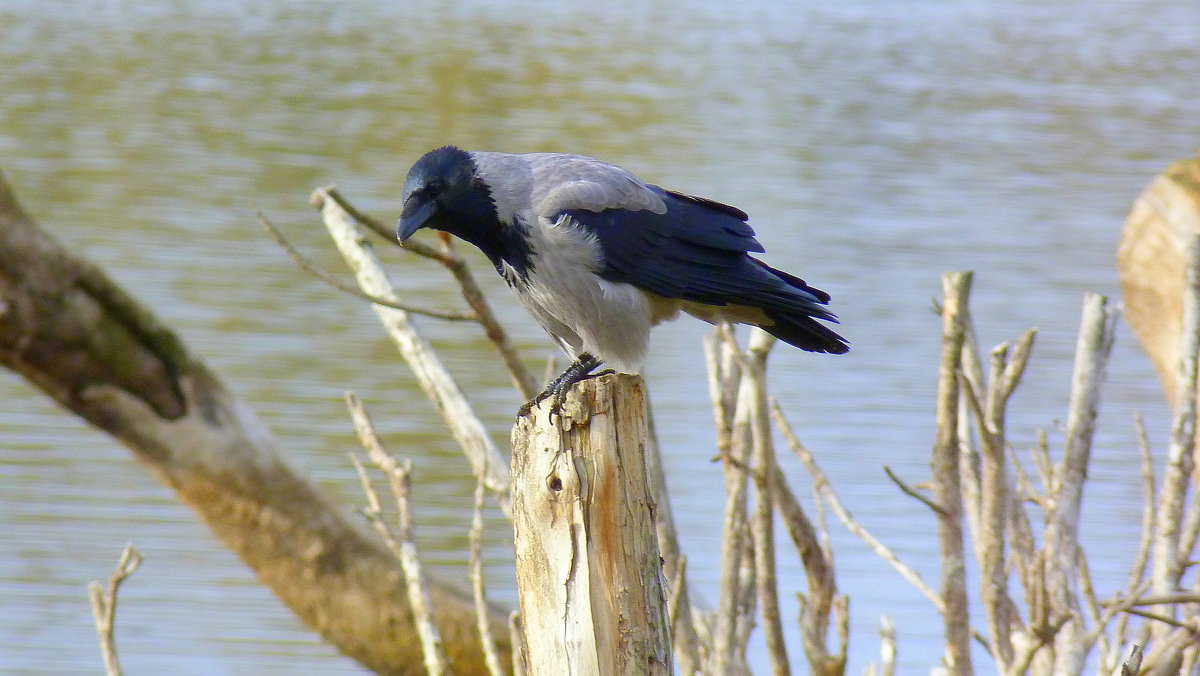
point(875, 145)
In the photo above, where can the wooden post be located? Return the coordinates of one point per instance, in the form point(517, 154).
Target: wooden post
point(589, 575)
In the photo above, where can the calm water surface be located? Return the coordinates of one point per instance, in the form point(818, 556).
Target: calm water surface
point(875, 144)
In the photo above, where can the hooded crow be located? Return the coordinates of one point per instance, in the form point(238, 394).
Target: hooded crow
point(598, 257)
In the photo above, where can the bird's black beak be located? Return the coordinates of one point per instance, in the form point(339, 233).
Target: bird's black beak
point(416, 214)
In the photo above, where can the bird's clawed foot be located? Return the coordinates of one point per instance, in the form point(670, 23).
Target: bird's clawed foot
point(580, 369)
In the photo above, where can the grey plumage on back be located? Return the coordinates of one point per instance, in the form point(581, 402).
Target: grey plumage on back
point(598, 257)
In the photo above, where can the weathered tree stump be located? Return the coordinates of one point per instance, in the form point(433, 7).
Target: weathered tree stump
point(589, 575)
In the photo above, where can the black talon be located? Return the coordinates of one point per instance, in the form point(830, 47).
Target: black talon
point(579, 370)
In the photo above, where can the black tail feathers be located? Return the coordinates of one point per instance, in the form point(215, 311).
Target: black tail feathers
point(793, 308)
point(805, 333)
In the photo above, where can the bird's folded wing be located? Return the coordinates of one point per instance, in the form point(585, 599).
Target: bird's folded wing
point(696, 250)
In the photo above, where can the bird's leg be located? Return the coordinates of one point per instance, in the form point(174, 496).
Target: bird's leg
point(579, 370)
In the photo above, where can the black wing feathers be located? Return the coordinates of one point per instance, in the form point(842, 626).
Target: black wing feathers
point(697, 251)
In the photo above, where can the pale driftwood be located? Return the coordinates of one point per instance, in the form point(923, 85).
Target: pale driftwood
point(399, 539)
point(947, 486)
point(72, 332)
point(104, 607)
point(589, 575)
point(435, 380)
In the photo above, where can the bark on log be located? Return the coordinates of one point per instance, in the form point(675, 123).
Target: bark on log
point(76, 335)
point(1151, 259)
point(589, 575)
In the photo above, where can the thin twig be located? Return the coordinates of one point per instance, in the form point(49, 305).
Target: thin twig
point(1020, 533)
point(1137, 570)
point(1112, 608)
point(522, 378)
point(401, 539)
point(1168, 554)
point(1165, 619)
point(104, 607)
point(887, 646)
point(516, 634)
point(328, 277)
point(1091, 602)
point(1040, 454)
point(482, 616)
point(1132, 664)
point(1162, 599)
point(685, 640)
point(827, 494)
point(435, 380)
point(912, 492)
point(822, 586)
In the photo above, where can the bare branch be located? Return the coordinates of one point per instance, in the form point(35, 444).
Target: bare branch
point(482, 616)
point(435, 380)
point(400, 540)
point(327, 277)
point(732, 604)
point(1137, 570)
point(946, 480)
point(1168, 557)
point(814, 610)
point(516, 634)
point(912, 492)
point(1040, 453)
point(887, 647)
point(104, 607)
point(825, 490)
point(677, 587)
point(762, 521)
point(1091, 358)
point(522, 379)
point(685, 637)
point(1132, 664)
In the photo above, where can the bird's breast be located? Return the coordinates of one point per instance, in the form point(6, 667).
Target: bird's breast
point(582, 311)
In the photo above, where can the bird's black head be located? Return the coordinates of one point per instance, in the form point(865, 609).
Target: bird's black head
point(443, 192)
point(446, 192)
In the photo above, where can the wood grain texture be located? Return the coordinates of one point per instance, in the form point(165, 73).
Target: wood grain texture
point(589, 574)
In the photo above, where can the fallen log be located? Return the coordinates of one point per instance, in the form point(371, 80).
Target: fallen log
point(85, 342)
